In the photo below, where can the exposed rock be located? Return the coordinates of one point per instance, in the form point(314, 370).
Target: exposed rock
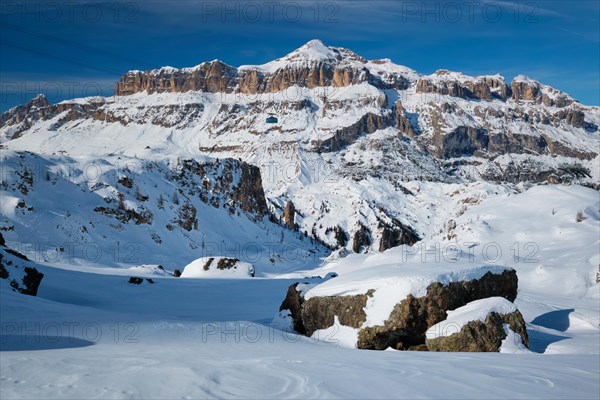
point(23, 117)
point(249, 193)
point(362, 239)
point(403, 124)
point(19, 271)
point(293, 302)
point(176, 273)
point(226, 263)
point(215, 183)
point(525, 90)
point(477, 336)
point(405, 328)
point(368, 123)
point(289, 214)
point(340, 236)
point(209, 265)
point(501, 143)
point(30, 283)
point(320, 312)
point(126, 215)
point(574, 117)
point(462, 141)
point(126, 181)
point(33, 109)
point(411, 318)
point(135, 281)
point(215, 76)
point(212, 77)
point(458, 85)
point(397, 234)
point(187, 217)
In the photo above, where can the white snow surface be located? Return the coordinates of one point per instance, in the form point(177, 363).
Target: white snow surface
point(513, 343)
point(196, 269)
point(212, 337)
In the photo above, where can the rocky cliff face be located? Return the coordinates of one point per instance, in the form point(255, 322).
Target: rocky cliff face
point(341, 119)
point(312, 66)
point(212, 77)
point(444, 82)
point(525, 89)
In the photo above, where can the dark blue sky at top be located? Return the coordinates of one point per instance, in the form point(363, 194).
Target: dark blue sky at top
point(75, 48)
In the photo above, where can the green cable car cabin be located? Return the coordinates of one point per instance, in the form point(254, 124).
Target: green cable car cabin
point(272, 120)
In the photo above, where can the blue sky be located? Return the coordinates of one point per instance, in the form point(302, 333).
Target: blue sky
point(70, 48)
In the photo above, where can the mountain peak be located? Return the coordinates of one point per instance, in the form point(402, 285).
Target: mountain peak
point(313, 50)
point(314, 43)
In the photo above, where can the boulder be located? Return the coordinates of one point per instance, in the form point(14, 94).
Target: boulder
point(410, 319)
point(320, 312)
point(218, 267)
point(406, 326)
point(293, 302)
point(480, 326)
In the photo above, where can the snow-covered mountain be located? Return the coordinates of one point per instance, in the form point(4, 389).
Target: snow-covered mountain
point(164, 225)
point(349, 135)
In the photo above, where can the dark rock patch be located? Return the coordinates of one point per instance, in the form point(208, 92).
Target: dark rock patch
point(477, 336)
point(410, 319)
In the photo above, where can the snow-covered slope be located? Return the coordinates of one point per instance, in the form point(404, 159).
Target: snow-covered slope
point(349, 134)
point(183, 337)
point(427, 177)
point(123, 212)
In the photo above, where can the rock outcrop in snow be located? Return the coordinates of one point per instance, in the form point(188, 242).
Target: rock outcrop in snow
point(406, 325)
point(479, 326)
point(218, 267)
point(18, 271)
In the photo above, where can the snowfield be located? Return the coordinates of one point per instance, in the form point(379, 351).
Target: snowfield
point(91, 334)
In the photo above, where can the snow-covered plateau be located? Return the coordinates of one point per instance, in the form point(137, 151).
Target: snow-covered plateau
point(170, 220)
